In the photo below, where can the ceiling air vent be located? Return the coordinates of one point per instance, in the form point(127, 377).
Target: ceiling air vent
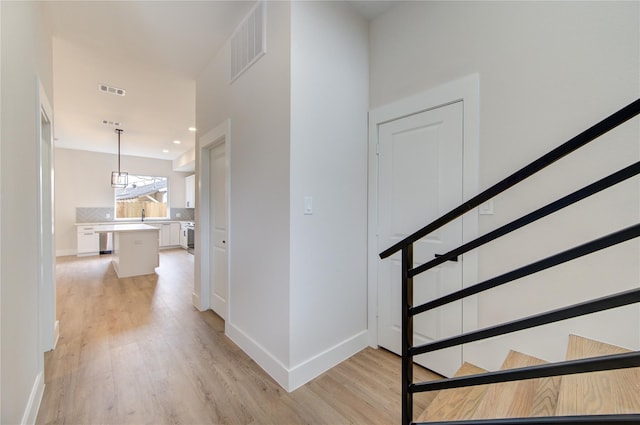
point(112, 123)
point(249, 41)
point(110, 89)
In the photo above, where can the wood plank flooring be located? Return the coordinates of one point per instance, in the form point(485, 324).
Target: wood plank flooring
point(135, 351)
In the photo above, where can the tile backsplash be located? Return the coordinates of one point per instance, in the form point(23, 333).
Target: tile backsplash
point(186, 214)
point(94, 215)
point(99, 214)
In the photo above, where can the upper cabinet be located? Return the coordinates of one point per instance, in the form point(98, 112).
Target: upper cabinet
point(190, 191)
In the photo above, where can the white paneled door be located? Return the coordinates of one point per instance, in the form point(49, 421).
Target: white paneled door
point(218, 228)
point(420, 179)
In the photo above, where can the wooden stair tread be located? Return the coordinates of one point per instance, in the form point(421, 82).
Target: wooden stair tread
point(532, 397)
point(607, 392)
point(456, 403)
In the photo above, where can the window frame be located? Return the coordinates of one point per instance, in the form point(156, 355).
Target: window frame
point(154, 218)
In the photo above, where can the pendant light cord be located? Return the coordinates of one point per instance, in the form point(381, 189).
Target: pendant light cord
point(118, 131)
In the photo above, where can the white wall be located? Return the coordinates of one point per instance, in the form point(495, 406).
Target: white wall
point(26, 55)
point(258, 104)
point(329, 103)
point(548, 70)
point(186, 162)
point(297, 300)
point(82, 179)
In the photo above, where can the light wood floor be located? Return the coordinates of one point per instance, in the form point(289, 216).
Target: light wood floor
point(135, 351)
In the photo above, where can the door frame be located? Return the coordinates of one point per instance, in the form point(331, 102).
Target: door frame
point(467, 90)
point(49, 326)
point(203, 244)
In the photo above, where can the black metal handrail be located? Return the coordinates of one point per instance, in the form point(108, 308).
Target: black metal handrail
point(617, 361)
point(547, 420)
point(549, 209)
point(569, 367)
point(546, 263)
point(592, 133)
point(593, 306)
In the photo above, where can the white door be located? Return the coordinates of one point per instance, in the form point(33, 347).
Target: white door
point(218, 228)
point(420, 179)
point(46, 241)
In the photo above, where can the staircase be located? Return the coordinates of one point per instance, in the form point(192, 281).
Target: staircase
point(597, 383)
point(596, 393)
point(612, 391)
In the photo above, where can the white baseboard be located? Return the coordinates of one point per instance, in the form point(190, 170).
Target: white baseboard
point(195, 300)
point(267, 361)
point(293, 378)
point(33, 404)
point(320, 363)
point(219, 306)
point(65, 252)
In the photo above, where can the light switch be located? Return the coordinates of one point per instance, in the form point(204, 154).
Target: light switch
point(308, 205)
point(108, 215)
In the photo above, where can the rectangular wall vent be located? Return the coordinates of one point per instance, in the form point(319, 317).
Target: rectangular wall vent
point(110, 89)
point(112, 123)
point(249, 41)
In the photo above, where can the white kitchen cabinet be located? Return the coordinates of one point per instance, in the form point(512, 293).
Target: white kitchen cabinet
point(169, 234)
point(135, 248)
point(88, 241)
point(165, 235)
point(174, 237)
point(190, 191)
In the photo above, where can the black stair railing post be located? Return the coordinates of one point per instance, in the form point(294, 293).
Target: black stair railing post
point(407, 334)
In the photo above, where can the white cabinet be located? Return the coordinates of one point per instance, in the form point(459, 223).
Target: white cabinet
point(169, 234)
point(190, 191)
point(165, 235)
point(174, 237)
point(88, 241)
point(135, 252)
point(89, 238)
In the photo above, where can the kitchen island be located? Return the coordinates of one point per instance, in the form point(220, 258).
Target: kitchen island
point(135, 248)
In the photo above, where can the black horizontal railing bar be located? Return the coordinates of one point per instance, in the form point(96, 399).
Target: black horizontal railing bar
point(554, 260)
point(572, 198)
point(569, 367)
point(552, 156)
point(627, 418)
point(588, 307)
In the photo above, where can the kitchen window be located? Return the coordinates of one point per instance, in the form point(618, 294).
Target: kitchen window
point(143, 197)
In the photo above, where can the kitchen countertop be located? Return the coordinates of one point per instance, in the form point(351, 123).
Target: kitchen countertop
point(125, 227)
point(149, 222)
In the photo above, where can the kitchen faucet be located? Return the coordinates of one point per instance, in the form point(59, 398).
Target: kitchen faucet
point(142, 215)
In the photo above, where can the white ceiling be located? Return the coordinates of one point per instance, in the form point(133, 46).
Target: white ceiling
point(152, 49)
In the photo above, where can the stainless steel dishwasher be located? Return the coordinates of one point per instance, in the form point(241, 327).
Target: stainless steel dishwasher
point(106, 243)
point(191, 235)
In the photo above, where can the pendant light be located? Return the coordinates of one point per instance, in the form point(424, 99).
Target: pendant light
point(119, 178)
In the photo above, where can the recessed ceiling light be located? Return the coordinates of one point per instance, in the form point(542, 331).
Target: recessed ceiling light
point(165, 150)
point(192, 129)
point(176, 142)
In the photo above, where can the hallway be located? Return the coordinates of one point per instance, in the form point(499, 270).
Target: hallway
point(135, 351)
